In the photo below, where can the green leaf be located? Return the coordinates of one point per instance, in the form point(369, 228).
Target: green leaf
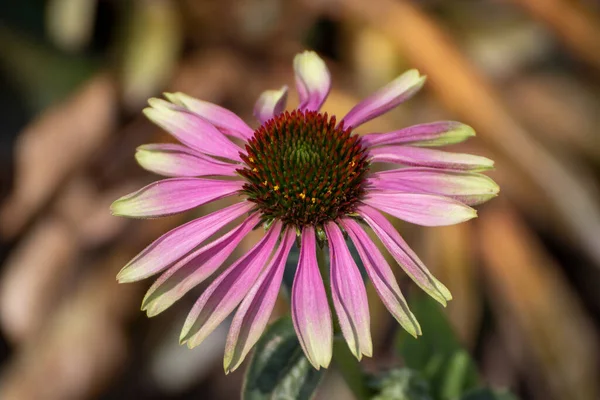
point(279, 369)
point(400, 384)
point(438, 354)
point(488, 394)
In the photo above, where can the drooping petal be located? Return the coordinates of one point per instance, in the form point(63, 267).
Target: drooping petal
point(419, 157)
point(386, 98)
point(313, 80)
point(171, 159)
point(193, 269)
point(440, 133)
point(310, 310)
point(191, 129)
point(227, 291)
point(421, 209)
point(403, 254)
point(172, 196)
point(178, 242)
point(467, 187)
point(382, 277)
point(253, 314)
point(220, 117)
point(270, 103)
point(349, 295)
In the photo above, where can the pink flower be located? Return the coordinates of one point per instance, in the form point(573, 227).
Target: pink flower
point(301, 175)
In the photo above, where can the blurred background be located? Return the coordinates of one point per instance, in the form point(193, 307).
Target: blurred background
point(75, 75)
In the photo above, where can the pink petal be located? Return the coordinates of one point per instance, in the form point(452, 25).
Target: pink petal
point(382, 277)
point(270, 103)
point(421, 209)
point(191, 129)
point(220, 117)
point(172, 196)
point(253, 314)
point(415, 156)
point(467, 187)
point(310, 310)
point(386, 98)
point(178, 242)
point(226, 292)
point(193, 269)
point(349, 295)
point(404, 256)
point(313, 80)
point(176, 160)
point(432, 134)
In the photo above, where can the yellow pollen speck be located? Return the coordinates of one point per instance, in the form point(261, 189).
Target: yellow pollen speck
point(254, 169)
point(313, 200)
point(265, 183)
point(276, 187)
point(250, 159)
point(302, 196)
point(352, 164)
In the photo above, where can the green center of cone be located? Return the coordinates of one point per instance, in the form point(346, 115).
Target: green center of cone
point(303, 170)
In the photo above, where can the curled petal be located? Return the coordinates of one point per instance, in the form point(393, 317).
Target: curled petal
point(418, 157)
point(404, 256)
point(193, 269)
point(226, 292)
point(386, 98)
point(191, 129)
point(467, 187)
point(440, 133)
point(310, 310)
point(270, 103)
point(382, 277)
point(313, 80)
point(176, 160)
point(421, 209)
point(178, 242)
point(220, 117)
point(349, 295)
point(253, 314)
point(172, 196)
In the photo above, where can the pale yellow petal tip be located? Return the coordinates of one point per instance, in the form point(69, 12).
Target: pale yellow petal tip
point(311, 68)
point(117, 208)
point(486, 164)
point(307, 55)
point(368, 352)
point(179, 98)
point(466, 130)
point(151, 311)
point(418, 332)
point(447, 298)
point(121, 276)
point(125, 276)
point(173, 97)
point(318, 364)
point(156, 103)
point(152, 114)
point(228, 366)
point(414, 76)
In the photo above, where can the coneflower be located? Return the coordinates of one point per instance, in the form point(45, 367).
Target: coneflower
point(302, 175)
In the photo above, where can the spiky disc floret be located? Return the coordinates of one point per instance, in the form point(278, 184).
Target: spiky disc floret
point(303, 170)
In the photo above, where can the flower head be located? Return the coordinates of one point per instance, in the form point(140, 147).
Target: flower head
point(302, 175)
